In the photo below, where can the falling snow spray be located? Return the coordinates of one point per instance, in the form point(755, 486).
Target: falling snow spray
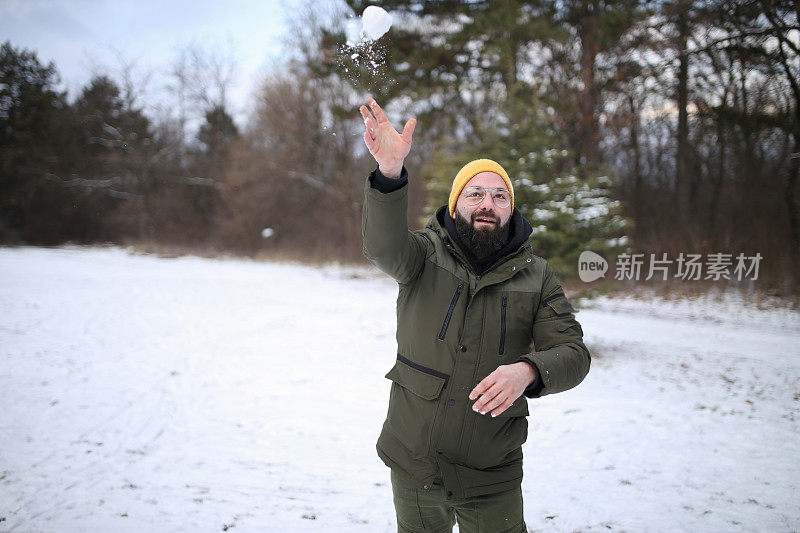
point(362, 57)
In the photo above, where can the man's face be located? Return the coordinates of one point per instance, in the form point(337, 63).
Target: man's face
point(483, 227)
point(485, 216)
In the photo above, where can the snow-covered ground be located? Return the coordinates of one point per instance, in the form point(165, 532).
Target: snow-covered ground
point(146, 394)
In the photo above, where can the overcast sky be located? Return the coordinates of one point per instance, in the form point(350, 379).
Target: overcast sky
point(85, 36)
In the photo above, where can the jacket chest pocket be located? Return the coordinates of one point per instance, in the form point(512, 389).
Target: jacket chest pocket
point(413, 403)
point(513, 323)
point(449, 315)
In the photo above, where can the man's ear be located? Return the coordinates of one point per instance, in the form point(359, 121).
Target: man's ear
point(453, 216)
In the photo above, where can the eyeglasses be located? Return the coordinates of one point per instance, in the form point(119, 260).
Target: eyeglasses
point(475, 195)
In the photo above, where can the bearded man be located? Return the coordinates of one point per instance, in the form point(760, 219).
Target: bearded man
point(482, 323)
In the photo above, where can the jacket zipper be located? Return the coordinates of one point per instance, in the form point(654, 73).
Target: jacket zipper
point(450, 311)
point(503, 306)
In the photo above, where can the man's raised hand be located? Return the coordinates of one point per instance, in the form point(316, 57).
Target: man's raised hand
point(388, 147)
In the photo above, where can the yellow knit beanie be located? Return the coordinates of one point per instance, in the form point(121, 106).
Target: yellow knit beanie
point(468, 172)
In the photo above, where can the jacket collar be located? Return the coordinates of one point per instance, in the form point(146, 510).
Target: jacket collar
point(442, 223)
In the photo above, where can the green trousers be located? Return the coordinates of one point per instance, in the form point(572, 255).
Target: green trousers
point(428, 511)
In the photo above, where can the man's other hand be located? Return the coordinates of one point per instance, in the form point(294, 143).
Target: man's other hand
point(497, 391)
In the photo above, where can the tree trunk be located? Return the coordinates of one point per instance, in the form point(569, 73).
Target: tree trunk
point(637, 160)
point(791, 194)
point(682, 178)
point(589, 129)
point(716, 193)
point(509, 69)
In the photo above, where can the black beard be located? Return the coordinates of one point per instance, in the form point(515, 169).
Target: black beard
point(482, 243)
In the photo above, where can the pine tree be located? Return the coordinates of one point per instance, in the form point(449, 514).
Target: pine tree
point(36, 142)
point(466, 68)
point(568, 214)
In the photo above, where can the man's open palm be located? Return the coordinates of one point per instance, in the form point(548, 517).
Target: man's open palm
point(387, 146)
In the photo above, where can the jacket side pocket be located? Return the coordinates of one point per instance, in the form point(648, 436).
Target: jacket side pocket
point(497, 440)
point(413, 404)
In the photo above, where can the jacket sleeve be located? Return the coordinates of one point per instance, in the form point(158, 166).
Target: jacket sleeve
point(561, 358)
point(387, 242)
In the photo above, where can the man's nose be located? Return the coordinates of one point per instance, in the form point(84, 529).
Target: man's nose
point(485, 210)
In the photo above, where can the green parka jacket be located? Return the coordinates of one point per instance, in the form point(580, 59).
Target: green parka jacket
point(453, 329)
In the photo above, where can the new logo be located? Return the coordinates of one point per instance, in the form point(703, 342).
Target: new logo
point(591, 266)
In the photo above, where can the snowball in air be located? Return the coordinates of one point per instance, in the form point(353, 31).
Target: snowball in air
point(375, 22)
point(267, 233)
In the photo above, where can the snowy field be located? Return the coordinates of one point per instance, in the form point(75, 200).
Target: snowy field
point(146, 394)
